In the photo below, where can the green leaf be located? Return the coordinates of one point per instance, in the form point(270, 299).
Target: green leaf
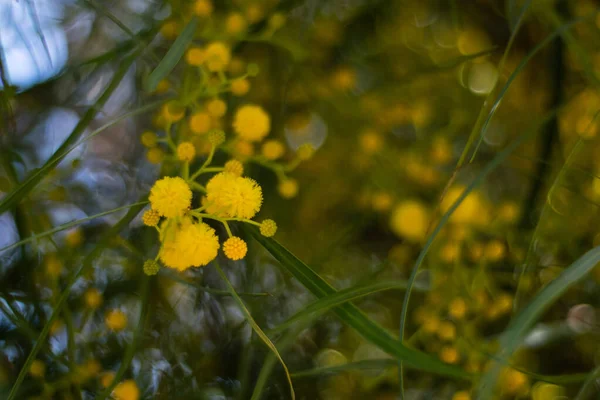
point(515, 332)
point(351, 315)
point(255, 326)
point(328, 302)
point(173, 56)
point(336, 369)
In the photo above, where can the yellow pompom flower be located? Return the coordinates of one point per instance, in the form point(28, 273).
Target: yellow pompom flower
point(243, 150)
point(115, 320)
point(155, 155)
point(410, 220)
point(190, 245)
point(186, 151)
point(370, 141)
point(461, 395)
point(170, 196)
point(151, 267)
point(195, 56)
point(172, 111)
point(251, 123)
point(151, 218)
point(514, 382)
point(162, 87)
point(217, 56)
point(203, 8)
point(472, 210)
point(169, 29)
point(446, 331)
point(126, 390)
point(231, 196)
point(37, 369)
point(457, 308)
point(240, 87)
point(149, 139)
point(107, 378)
point(93, 298)
point(235, 23)
point(449, 355)
point(216, 108)
point(200, 122)
point(235, 248)
point(74, 237)
point(54, 265)
point(268, 228)
point(272, 149)
point(305, 152)
point(234, 167)
point(288, 188)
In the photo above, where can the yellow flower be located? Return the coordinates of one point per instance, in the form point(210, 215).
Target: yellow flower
point(162, 87)
point(190, 245)
point(200, 122)
point(186, 151)
point(457, 308)
point(92, 298)
point(107, 378)
point(151, 218)
point(169, 29)
point(53, 265)
point(446, 331)
point(461, 395)
point(149, 139)
point(151, 267)
point(115, 320)
point(155, 155)
point(195, 56)
point(410, 220)
point(381, 201)
point(126, 390)
point(172, 111)
point(370, 141)
point(74, 237)
point(235, 248)
point(170, 196)
point(240, 87)
point(268, 228)
point(233, 196)
point(218, 56)
point(305, 152)
point(234, 167)
point(514, 382)
point(37, 369)
point(252, 123)
point(272, 149)
point(235, 23)
point(288, 188)
point(203, 8)
point(449, 355)
point(216, 137)
point(472, 210)
point(216, 108)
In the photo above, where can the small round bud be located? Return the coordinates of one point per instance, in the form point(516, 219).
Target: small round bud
point(186, 151)
point(305, 151)
point(155, 155)
point(151, 267)
point(151, 218)
point(252, 69)
point(268, 228)
point(235, 248)
point(288, 188)
point(149, 139)
point(216, 137)
point(235, 167)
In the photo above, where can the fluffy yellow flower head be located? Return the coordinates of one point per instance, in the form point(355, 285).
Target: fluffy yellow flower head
point(252, 123)
point(155, 155)
point(473, 209)
point(240, 87)
point(231, 196)
point(461, 395)
point(195, 56)
point(200, 122)
point(409, 220)
point(170, 196)
point(217, 56)
point(37, 369)
point(235, 248)
point(93, 298)
point(115, 320)
point(190, 245)
point(216, 108)
point(288, 188)
point(149, 139)
point(186, 151)
point(203, 8)
point(126, 390)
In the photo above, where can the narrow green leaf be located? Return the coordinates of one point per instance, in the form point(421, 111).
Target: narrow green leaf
point(328, 302)
point(173, 56)
point(515, 332)
point(336, 369)
point(255, 326)
point(87, 263)
point(25, 187)
point(69, 225)
point(351, 315)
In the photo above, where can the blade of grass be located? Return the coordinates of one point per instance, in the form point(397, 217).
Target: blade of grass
point(499, 159)
point(515, 332)
point(18, 193)
point(326, 303)
point(173, 56)
point(255, 326)
point(336, 369)
point(69, 225)
point(131, 348)
point(87, 263)
point(350, 314)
